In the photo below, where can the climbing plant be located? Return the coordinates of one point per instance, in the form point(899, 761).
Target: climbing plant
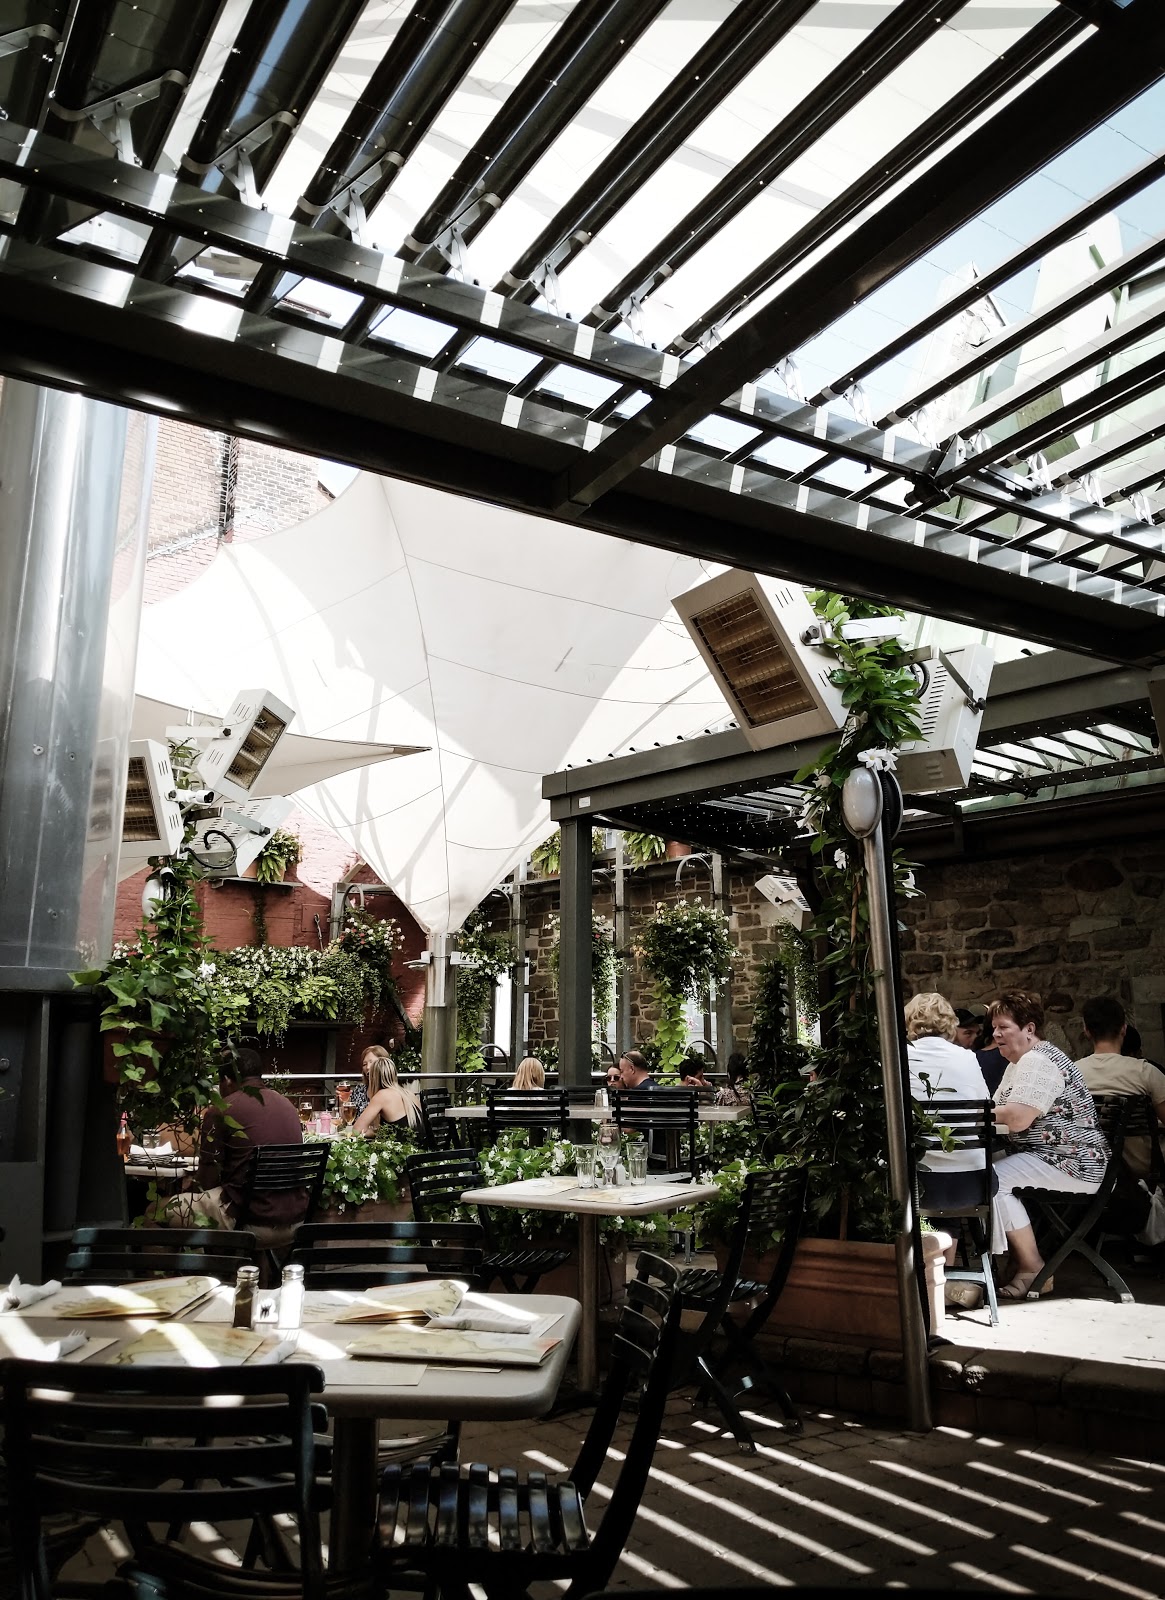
point(604, 965)
point(487, 955)
point(686, 949)
point(836, 1123)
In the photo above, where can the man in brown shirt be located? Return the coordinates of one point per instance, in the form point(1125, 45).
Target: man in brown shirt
point(261, 1116)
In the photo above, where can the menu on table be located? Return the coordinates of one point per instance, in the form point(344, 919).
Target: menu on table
point(453, 1346)
point(186, 1345)
point(157, 1297)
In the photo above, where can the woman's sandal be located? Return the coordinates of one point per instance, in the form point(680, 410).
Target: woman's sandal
point(1020, 1285)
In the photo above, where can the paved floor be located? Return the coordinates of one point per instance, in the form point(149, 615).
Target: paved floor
point(1078, 1319)
point(846, 1505)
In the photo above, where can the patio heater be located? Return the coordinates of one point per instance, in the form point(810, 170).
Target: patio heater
point(871, 804)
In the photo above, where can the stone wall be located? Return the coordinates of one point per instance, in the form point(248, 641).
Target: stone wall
point(1068, 924)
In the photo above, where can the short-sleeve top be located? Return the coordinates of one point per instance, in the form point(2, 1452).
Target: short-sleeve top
point(1066, 1133)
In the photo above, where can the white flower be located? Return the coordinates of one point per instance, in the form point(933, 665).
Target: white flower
point(879, 760)
point(840, 860)
point(823, 780)
point(207, 969)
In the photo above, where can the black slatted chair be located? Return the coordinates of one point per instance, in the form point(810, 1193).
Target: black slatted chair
point(281, 1169)
point(1128, 1209)
point(665, 1116)
point(367, 1255)
point(504, 1530)
point(1070, 1224)
point(774, 1203)
point(437, 1180)
point(438, 1127)
point(125, 1255)
point(534, 1109)
point(172, 1446)
point(968, 1125)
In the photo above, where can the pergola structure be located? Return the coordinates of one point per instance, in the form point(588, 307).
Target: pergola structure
point(693, 403)
point(1066, 746)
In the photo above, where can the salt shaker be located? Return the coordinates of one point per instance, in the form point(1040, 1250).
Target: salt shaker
point(246, 1294)
point(291, 1297)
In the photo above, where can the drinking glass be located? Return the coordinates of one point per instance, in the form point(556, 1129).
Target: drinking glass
point(584, 1165)
point(609, 1155)
point(637, 1161)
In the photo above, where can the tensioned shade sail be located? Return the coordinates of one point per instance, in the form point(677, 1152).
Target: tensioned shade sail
point(298, 760)
point(511, 645)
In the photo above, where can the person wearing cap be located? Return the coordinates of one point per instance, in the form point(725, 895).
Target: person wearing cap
point(968, 1029)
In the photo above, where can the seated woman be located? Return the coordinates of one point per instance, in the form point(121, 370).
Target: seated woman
point(374, 1052)
point(531, 1074)
point(737, 1091)
point(1045, 1108)
point(390, 1103)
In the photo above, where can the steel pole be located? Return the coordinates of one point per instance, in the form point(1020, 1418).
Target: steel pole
point(518, 970)
point(439, 1039)
point(723, 904)
point(862, 808)
point(574, 954)
point(623, 1040)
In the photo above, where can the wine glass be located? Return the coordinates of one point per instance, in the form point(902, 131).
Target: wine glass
point(609, 1156)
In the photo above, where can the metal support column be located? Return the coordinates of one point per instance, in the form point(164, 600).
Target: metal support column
point(862, 807)
point(74, 479)
point(623, 1039)
point(439, 1042)
point(518, 983)
point(574, 954)
point(722, 903)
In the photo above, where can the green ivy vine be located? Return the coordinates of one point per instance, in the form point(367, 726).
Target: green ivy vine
point(686, 949)
point(488, 955)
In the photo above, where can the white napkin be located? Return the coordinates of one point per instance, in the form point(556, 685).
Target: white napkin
point(481, 1322)
point(19, 1295)
point(138, 1152)
point(65, 1346)
point(272, 1355)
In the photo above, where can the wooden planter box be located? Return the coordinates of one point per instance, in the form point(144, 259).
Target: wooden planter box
point(370, 1211)
point(846, 1292)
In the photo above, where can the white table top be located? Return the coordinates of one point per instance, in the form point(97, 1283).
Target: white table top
point(563, 1194)
point(372, 1388)
point(585, 1113)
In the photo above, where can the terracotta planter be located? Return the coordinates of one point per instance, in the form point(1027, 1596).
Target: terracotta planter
point(674, 851)
point(564, 1280)
point(846, 1292)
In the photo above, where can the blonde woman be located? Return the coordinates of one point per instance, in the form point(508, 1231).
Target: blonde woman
point(531, 1074)
point(390, 1104)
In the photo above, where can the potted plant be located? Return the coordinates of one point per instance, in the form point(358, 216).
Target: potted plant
point(281, 850)
point(364, 1180)
point(163, 1016)
point(686, 949)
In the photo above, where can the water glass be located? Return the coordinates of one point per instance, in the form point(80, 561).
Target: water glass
point(584, 1165)
point(637, 1161)
point(609, 1155)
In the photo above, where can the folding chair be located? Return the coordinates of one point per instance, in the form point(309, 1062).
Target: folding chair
point(166, 1445)
point(367, 1255)
point(1071, 1222)
point(534, 1109)
point(123, 1255)
point(457, 1526)
point(437, 1180)
point(664, 1115)
point(970, 1125)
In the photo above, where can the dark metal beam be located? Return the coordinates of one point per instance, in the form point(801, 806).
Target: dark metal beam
point(574, 958)
point(1100, 75)
point(31, 32)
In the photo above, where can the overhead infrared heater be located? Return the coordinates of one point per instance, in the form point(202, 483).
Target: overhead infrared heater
point(950, 712)
point(748, 630)
point(252, 728)
point(152, 825)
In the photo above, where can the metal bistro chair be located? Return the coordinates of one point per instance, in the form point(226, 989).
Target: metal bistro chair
point(281, 1169)
point(1071, 1222)
point(123, 1255)
point(504, 1530)
point(437, 1180)
point(166, 1445)
point(970, 1125)
point(438, 1127)
point(773, 1202)
point(367, 1255)
point(534, 1109)
point(666, 1114)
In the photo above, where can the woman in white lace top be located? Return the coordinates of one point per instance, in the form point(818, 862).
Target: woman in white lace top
point(1045, 1108)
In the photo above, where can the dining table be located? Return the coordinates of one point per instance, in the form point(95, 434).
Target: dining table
point(358, 1393)
point(582, 1112)
point(562, 1194)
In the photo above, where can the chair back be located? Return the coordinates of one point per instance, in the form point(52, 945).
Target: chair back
point(663, 1113)
point(437, 1126)
point(227, 1443)
point(965, 1125)
point(643, 1352)
point(366, 1255)
point(284, 1169)
point(536, 1109)
point(438, 1179)
point(123, 1255)
point(776, 1203)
